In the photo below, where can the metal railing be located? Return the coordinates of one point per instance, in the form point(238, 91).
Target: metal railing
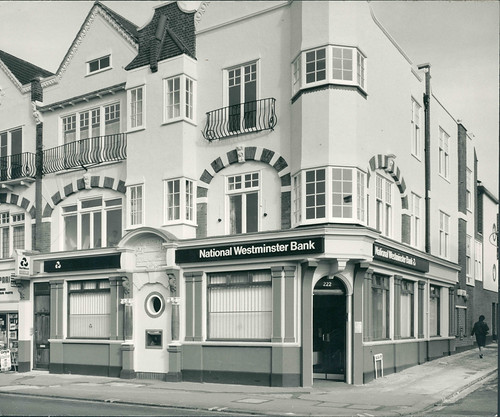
point(251, 116)
point(16, 166)
point(85, 152)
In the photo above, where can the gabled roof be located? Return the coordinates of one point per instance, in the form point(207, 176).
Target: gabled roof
point(127, 25)
point(170, 33)
point(123, 26)
point(22, 70)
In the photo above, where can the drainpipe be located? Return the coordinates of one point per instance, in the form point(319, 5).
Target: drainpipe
point(427, 154)
point(36, 98)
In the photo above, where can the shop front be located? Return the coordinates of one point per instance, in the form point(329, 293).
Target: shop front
point(9, 321)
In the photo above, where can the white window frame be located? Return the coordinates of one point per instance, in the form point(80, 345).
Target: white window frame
point(100, 67)
point(324, 199)
point(416, 220)
point(444, 235)
point(10, 220)
point(186, 190)
point(468, 258)
point(80, 211)
point(300, 67)
point(384, 205)
point(416, 129)
point(186, 99)
point(132, 105)
point(243, 190)
point(444, 154)
point(139, 214)
point(102, 120)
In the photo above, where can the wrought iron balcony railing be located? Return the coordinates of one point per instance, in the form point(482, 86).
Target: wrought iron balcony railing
point(85, 152)
point(21, 165)
point(251, 116)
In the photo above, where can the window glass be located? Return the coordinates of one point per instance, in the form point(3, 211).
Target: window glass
point(315, 65)
point(136, 204)
point(243, 202)
point(99, 64)
point(444, 234)
point(240, 305)
point(407, 309)
point(136, 107)
point(89, 310)
point(342, 63)
point(381, 307)
point(342, 190)
point(434, 311)
point(315, 194)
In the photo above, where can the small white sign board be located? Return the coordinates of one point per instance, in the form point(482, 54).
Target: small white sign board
point(5, 363)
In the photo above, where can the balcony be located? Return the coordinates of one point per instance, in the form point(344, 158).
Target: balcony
point(15, 167)
point(251, 116)
point(85, 152)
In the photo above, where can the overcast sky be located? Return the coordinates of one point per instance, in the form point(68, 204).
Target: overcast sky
point(460, 39)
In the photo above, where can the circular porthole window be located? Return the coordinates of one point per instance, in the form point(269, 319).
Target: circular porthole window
point(154, 304)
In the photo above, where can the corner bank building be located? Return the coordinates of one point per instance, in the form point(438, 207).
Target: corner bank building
point(256, 193)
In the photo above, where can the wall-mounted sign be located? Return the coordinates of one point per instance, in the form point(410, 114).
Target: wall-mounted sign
point(397, 257)
point(262, 249)
point(82, 264)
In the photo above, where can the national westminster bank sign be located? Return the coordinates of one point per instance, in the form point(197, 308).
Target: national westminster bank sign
point(260, 249)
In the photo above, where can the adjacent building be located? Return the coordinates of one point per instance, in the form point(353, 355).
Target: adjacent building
point(204, 201)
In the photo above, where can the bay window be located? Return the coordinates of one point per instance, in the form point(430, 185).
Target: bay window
point(89, 309)
point(242, 192)
point(329, 194)
point(178, 98)
point(329, 65)
point(179, 200)
point(240, 305)
point(92, 223)
point(136, 97)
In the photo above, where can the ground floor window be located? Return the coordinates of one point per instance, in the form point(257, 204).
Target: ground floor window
point(434, 311)
point(381, 307)
point(407, 309)
point(240, 305)
point(89, 309)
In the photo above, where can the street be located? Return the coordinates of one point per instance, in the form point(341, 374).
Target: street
point(20, 405)
point(481, 401)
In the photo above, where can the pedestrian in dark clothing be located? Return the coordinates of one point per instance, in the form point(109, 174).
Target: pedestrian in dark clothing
point(480, 329)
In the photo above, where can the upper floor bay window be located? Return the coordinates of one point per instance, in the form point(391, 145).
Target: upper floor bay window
point(179, 200)
point(99, 64)
point(329, 194)
point(12, 232)
point(444, 154)
point(384, 215)
point(136, 97)
point(329, 64)
point(92, 223)
point(135, 205)
point(91, 123)
point(243, 194)
point(240, 305)
point(178, 98)
point(444, 235)
point(416, 132)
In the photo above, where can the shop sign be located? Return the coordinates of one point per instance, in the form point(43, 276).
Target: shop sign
point(5, 363)
point(7, 292)
point(397, 257)
point(82, 264)
point(262, 249)
point(23, 266)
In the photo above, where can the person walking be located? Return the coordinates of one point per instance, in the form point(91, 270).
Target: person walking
point(480, 329)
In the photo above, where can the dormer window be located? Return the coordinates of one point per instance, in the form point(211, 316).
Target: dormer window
point(99, 64)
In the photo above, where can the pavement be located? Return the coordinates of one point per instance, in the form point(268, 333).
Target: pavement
point(415, 390)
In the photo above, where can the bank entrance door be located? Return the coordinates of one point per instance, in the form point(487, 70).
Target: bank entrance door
point(329, 329)
point(41, 325)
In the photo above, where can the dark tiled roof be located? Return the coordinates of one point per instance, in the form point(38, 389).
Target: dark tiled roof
point(178, 37)
point(127, 25)
point(21, 69)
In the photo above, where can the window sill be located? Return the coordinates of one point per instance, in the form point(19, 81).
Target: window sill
point(445, 178)
point(179, 223)
point(326, 86)
point(418, 158)
point(89, 74)
point(135, 129)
